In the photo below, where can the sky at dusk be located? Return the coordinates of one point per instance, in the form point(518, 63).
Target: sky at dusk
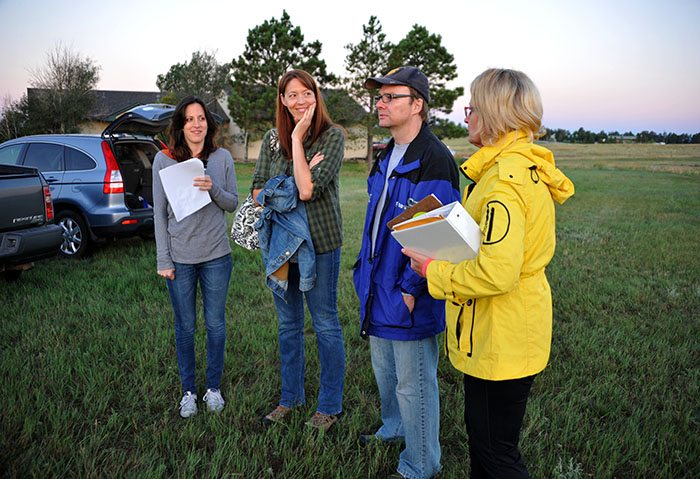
point(601, 65)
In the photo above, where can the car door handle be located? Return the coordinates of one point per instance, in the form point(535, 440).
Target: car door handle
point(51, 180)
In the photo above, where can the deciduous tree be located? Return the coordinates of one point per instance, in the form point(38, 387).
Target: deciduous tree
point(62, 96)
point(444, 128)
point(13, 118)
point(202, 76)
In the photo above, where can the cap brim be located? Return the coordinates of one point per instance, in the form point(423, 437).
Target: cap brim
point(374, 83)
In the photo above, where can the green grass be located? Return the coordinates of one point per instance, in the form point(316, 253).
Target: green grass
point(648, 157)
point(90, 383)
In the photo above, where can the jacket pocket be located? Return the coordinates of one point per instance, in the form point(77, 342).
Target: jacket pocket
point(464, 325)
point(391, 310)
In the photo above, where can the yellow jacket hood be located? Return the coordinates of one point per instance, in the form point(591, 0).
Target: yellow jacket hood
point(517, 142)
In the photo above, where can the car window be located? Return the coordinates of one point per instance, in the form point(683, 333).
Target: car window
point(44, 156)
point(10, 154)
point(77, 160)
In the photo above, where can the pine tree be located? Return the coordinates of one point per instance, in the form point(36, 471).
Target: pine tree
point(272, 48)
point(368, 58)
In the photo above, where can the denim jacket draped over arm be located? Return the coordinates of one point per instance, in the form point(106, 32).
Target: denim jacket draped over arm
point(283, 231)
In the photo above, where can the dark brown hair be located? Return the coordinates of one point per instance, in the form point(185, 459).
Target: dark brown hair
point(178, 146)
point(285, 122)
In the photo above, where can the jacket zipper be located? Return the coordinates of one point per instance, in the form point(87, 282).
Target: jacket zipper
point(458, 329)
point(370, 298)
point(365, 322)
point(471, 329)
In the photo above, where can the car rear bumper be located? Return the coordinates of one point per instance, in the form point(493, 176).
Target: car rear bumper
point(134, 223)
point(25, 246)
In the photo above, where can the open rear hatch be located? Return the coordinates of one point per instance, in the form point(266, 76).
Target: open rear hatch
point(131, 137)
point(144, 120)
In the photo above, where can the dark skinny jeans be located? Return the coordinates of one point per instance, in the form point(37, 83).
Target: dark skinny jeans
point(493, 412)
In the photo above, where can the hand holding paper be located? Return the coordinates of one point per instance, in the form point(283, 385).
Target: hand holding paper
point(204, 183)
point(179, 185)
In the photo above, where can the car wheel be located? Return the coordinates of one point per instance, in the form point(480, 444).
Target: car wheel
point(76, 237)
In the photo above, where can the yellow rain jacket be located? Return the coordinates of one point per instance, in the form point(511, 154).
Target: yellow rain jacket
point(499, 305)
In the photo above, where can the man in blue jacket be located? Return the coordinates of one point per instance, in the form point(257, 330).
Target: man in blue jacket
point(400, 318)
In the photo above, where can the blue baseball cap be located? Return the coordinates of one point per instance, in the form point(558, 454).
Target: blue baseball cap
point(407, 75)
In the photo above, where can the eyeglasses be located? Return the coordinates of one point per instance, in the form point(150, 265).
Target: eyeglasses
point(387, 97)
point(468, 110)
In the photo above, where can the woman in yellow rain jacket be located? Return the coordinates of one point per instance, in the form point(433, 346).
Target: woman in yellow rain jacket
point(499, 305)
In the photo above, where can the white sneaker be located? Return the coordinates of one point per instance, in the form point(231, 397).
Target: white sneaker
point(188, 405)
point(215, 402)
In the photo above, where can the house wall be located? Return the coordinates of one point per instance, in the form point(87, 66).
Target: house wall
point(355, 145)
point(93, 127)
point(230, 135)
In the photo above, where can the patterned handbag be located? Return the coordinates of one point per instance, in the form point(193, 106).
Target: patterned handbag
point(243, 231)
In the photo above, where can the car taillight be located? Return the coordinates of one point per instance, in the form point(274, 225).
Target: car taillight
point(129, 222)
point(113, 177)
point(48, 204)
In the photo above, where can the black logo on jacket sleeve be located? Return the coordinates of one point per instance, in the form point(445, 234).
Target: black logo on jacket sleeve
point(497, 222)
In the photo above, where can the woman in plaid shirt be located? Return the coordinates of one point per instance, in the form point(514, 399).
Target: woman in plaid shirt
point(306, 145)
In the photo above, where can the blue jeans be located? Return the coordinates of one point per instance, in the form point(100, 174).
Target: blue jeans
point(323, 306)
point(213, 277)
point(406, 373)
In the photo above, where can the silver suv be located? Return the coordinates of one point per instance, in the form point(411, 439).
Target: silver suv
point(101, 185)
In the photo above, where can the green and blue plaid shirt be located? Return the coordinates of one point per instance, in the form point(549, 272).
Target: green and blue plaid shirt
point(323, 209)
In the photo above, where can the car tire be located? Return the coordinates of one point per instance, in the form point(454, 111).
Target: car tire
point(76, 237)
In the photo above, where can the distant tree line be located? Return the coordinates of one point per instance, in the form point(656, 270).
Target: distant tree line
point(585, 136)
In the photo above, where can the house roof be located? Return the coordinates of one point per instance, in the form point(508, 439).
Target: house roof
point(109, 104)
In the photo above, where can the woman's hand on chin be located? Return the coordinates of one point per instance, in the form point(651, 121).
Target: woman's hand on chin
point(302, 126)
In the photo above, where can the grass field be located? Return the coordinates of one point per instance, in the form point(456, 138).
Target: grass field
point(90, 384)
point(648, 157)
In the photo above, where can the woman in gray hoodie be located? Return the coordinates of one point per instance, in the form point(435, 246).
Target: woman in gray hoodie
point(196, 248)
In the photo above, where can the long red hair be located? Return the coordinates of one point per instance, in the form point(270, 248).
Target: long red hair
point(285, 122)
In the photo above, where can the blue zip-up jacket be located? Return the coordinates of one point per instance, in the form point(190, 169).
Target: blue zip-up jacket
point(283, 229)
point(427, 167)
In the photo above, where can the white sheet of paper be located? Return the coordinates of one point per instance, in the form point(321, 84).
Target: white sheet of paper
point(177, 181)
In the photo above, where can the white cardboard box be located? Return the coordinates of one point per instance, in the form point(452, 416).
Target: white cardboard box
point(454, 238)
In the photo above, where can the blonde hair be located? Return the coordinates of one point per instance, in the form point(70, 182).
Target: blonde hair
point(506, 100)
